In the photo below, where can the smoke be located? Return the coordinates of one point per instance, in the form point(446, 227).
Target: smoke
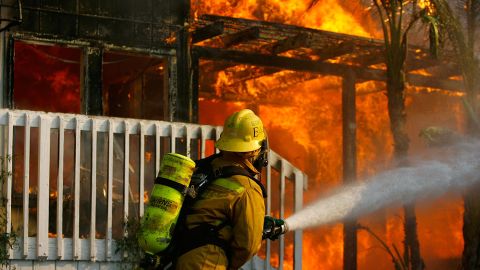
point(453, 169)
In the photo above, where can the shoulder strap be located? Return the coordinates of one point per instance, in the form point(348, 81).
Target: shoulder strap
point(169, 183)
point(204, 163)
point(236, 170)
point(231, 170)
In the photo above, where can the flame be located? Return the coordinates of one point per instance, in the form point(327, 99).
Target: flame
point(56, 71)
point(327, 15)
point(145, 197)
point(436, 218)
point(54, 235)
point(427, 5)
point(304, 123)
point(148, 156)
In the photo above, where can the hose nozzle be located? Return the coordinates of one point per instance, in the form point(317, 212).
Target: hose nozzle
point(273, 228)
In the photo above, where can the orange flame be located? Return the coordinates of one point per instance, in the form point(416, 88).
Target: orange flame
point(327, 15)
point(305, 127)
point(148, 156)
point(145, 197)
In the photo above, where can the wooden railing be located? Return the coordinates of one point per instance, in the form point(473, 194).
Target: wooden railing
point(68, 201)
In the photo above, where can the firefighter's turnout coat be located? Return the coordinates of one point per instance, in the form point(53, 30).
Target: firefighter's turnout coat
point(236, 201)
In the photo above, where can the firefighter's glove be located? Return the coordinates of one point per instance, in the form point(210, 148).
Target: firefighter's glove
point(149, 261)
point(273, 228)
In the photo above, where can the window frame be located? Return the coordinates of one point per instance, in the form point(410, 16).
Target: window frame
point(89, 85)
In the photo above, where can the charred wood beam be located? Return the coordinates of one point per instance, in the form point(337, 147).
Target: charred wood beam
point(207, 32)
point(212, 67)
point(290, 43)
point(363, 43)
point(91, 75)
point(216, 66)
point(279, 89)
point(241, 36)
point(7, 70)
point(247, 99)
point(420, 58)
point(276, 94)
point(446, 71)
point(286, 83)
point(252, 73)
point(362, 74)
point(286, 28)
point(208, 80)
point(414, 63)
point(194, 85)
point(283, 62)
point(372, 58)
point(434, 82)
point(335, 51)
point(180, 100)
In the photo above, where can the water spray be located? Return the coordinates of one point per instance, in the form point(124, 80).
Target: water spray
point(455, 168)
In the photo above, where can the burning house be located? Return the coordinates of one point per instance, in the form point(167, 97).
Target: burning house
point(94, 95)
point(95, 92)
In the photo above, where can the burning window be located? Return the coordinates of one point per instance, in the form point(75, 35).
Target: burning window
point(134, 86)
point(46, 78)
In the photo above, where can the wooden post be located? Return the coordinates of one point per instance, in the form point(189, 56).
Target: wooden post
point(91, 79)
point(194, 89)
point(194, 85)
point(3, 69)
point(181, 102)
point(8, 62)
point(349, 165)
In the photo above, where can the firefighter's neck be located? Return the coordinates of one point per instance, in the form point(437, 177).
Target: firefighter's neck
point(244, 159)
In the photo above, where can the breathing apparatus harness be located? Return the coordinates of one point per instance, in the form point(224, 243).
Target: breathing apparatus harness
point(207, 233)
point(185, 239)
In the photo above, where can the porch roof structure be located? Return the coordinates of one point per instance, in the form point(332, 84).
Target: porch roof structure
point(271, 47)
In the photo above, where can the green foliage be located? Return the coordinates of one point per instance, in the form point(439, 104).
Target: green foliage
point(128, 245)
point(451, 25)
point(463, 41)
point(7, 240)
point(433, 25)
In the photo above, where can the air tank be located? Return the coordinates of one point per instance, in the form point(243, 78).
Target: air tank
point(166, 199)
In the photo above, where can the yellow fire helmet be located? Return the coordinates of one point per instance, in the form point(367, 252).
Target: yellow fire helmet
point(242, 132)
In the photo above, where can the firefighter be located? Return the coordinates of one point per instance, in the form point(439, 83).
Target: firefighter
point(225, 225)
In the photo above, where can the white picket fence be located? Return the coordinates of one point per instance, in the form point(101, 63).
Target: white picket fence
point(114, 174)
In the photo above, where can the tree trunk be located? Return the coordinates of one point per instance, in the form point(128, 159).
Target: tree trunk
point(396, 111)
point(471, 232)
point(471, 215)
point(412, 246)
point(349, 165)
